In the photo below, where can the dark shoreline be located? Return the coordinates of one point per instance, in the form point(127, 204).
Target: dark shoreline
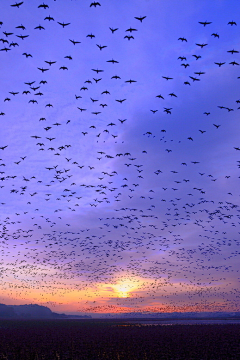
point(112, 339)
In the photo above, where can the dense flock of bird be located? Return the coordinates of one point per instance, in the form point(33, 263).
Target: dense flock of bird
point(108, 184)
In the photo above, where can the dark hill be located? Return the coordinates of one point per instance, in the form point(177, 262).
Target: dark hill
point(33, 311)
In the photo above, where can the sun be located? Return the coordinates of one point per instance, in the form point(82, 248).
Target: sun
point(123, 291)
point(124, 288)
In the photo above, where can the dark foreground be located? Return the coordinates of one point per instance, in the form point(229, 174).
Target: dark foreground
point(111, 339)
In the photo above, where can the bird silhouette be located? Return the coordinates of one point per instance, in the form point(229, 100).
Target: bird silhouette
point(17, 4)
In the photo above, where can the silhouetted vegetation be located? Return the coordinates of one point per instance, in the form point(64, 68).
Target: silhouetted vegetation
point(111, 339)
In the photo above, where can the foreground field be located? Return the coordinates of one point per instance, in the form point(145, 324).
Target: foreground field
point(111, 339)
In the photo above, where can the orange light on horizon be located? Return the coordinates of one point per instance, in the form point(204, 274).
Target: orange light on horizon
point(124, 287)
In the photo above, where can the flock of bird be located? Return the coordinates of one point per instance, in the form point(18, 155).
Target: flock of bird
point(100, 186)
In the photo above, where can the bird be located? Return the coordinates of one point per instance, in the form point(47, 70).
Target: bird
point(232, 23)
point(233, 51)
point(113, 61)
point(121, 100)
point(219, 63)
point(39, 27)
point(95, 4)
point(42, 69)
point(74, 42)
point(130, 81)
point(167, 78)
point(201, 45)
point(49, 18)
point(91, 36)
point(27, 55)
point(101, 46)
point(22, 36)
point(115, 77)
point(197, 56)
point(194, 79)
point(113, 30)
point(7, 33)
point(129, 37)
point(167, 110)
point(13, 92)
point(182, 39)
point(63, 24)
point(131, 30)
point(204, 23)
point(199, 72)
point(44, 6)
point(97, 70)
point(50, 62)
point(140, 18)
point(182, 58)
point(17, 4)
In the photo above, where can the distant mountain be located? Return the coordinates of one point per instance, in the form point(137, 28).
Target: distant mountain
point(33, 311)
point(6, 312)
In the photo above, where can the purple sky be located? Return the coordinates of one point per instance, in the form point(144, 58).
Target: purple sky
point(112, 198)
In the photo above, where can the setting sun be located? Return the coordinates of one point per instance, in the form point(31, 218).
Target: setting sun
point(124, 288)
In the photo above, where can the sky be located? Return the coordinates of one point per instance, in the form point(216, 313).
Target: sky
point(119, 155)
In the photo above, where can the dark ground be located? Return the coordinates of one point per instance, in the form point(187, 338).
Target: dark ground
point(115, 339)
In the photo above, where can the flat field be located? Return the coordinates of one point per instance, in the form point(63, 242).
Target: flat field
point(115, 339)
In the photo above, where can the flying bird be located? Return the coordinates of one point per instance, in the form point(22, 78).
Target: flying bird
point(140, 18)
point(63, 24)
point(75, 42)
point(113, 61)
point(182, 39)
point(49, 18)
point(204, 23)
point(95, 4)
point(232, 23)
point(42, 69)
point(50, 62)
point(101, 47)
point(91, 36)
point(219, 63)
point(129, 37)
point(44, 6)
point(233, 51)
point(113, 30)
point(17, 4)
point(201, 45)
point(131, 30)
point(27, 55)
point(39, 27)
point(197, 56)
point(22, 36)
point(167, 78)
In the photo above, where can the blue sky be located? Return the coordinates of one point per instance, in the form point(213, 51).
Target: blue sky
point(113, 198)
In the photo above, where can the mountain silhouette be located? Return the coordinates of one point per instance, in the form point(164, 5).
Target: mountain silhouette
point(33, 311)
